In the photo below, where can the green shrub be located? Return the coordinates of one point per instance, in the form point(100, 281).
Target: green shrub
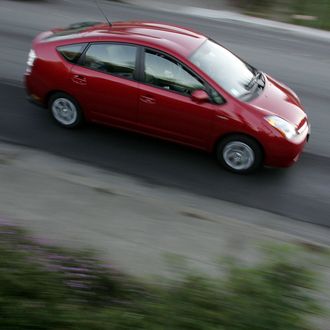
point(314, 13)
point(42, 287)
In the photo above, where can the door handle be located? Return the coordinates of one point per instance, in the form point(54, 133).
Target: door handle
point(148, 99)
point(80, 80)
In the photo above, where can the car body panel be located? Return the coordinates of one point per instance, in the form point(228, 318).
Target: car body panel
point(105, 97)
point(281, 102)
point(138, 106)
point(176, 116)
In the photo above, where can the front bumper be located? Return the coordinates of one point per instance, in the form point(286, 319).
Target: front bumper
point(280, 152)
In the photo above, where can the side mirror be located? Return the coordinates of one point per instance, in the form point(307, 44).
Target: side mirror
point(200, 96)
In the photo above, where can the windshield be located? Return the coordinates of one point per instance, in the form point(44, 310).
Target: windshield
point(231, 73)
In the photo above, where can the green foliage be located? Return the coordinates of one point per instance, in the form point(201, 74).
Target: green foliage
point(314, 13)
point(318, 10)
point(256, 4)
point(42, 287)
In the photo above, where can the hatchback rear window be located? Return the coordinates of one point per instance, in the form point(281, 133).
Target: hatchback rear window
point(71, 52)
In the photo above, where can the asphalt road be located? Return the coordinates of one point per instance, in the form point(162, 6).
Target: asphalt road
point(301, 192)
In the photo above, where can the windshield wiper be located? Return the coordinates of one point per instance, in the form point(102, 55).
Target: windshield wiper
point(256, 79)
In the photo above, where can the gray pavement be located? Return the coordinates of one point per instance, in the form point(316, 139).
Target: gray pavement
point(301, 192)
point(207, 4)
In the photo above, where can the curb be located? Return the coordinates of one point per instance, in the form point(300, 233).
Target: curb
point(223, 15)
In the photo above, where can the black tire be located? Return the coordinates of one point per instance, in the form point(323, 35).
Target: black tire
point(239, 154)
point(65, 110)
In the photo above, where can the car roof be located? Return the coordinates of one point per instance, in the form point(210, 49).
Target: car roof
point(166, 37)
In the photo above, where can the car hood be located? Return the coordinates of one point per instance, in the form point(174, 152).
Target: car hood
point(278, 99)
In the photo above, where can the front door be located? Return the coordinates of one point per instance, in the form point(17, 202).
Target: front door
point(166, 108)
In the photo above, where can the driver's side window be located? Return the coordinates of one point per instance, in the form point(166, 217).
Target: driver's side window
point(162, 71)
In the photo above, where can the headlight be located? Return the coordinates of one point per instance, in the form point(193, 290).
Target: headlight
point(285, 128)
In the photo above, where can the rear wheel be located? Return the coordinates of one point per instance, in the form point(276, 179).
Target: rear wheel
point(239, 154)
point(65, 110)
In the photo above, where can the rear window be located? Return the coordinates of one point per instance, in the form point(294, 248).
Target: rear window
point(116, 59)
point(71, 52)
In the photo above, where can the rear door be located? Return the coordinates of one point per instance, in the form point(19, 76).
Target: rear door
point(104, 83)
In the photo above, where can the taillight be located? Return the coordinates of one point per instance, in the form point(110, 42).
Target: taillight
point(30, 61)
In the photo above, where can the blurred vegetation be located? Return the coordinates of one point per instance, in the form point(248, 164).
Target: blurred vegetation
point(312, 13)
point(42, 287)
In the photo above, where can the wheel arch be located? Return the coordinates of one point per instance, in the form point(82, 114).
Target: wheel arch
point(56, 91)
point(59, 91)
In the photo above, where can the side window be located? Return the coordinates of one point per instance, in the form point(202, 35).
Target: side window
point(216, 97)
point(71, 52)
point(164, 72)
point(115, 59)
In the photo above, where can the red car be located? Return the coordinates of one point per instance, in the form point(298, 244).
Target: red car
point(168, 82)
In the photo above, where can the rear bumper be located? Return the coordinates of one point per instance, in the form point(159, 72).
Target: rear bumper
point(31, 95)
point(32, 99)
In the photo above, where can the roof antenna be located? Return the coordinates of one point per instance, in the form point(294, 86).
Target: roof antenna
point(102, 12)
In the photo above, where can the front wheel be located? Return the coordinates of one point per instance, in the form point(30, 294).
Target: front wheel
point(65, 110)
point(239, 154)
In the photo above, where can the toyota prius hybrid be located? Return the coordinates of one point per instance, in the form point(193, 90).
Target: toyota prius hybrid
point(167, 82)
